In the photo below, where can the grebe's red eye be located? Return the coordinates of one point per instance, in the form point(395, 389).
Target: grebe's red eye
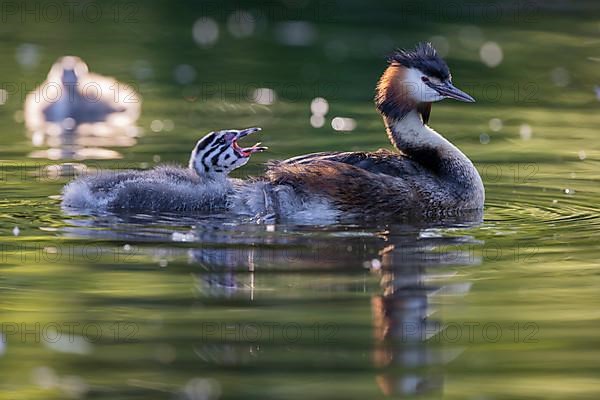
point(425, 79)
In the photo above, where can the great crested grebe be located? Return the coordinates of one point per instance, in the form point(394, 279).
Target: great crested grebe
point(429, 176)
point(203, 186)
point(72, 96)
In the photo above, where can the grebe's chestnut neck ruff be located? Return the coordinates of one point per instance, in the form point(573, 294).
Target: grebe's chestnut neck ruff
point(412, 81)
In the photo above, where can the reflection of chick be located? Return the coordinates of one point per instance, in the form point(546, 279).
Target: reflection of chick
point(71, 96)
point(203, 186)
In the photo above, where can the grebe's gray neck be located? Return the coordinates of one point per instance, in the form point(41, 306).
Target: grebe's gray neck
point(427, 147)
point(415, 139)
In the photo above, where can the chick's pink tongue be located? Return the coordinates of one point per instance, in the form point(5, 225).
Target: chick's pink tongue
point(237, 148)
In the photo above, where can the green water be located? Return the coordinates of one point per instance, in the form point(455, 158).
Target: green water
point(127, 307)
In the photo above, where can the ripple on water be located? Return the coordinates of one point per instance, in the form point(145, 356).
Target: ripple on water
point(550, 207)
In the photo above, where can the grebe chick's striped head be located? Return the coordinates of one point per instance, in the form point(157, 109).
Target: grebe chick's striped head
point(218, 153)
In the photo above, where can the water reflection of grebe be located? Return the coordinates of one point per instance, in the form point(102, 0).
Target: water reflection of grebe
point(251, 267)
point(402, 316)
point(406, 358)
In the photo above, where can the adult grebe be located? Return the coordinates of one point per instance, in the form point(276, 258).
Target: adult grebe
point(429, 176)
point(204, 186)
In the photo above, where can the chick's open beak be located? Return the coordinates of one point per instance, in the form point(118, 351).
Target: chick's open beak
point(248, 151)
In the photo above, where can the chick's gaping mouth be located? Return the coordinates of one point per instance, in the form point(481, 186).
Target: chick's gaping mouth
point(247, 151)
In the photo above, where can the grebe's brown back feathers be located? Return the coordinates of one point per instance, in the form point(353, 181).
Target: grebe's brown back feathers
point(352, 189)
point(382, 161)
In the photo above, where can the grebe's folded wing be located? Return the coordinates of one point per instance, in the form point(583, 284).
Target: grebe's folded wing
point(378, 162)
point(349, 187)
point(324, 155)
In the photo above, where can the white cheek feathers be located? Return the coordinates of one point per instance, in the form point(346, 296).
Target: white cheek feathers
point(417, 89)
point(216, 160)
point(230, 160)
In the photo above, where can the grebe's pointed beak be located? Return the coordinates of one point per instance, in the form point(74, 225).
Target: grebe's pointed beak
point(448, 90)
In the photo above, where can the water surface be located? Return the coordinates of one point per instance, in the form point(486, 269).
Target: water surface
point(145, 306)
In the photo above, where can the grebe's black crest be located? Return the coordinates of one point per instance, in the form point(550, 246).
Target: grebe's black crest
point(424, 58)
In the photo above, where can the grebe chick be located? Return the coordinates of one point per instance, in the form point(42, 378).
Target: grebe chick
point(428, 176)
point(203, 186)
